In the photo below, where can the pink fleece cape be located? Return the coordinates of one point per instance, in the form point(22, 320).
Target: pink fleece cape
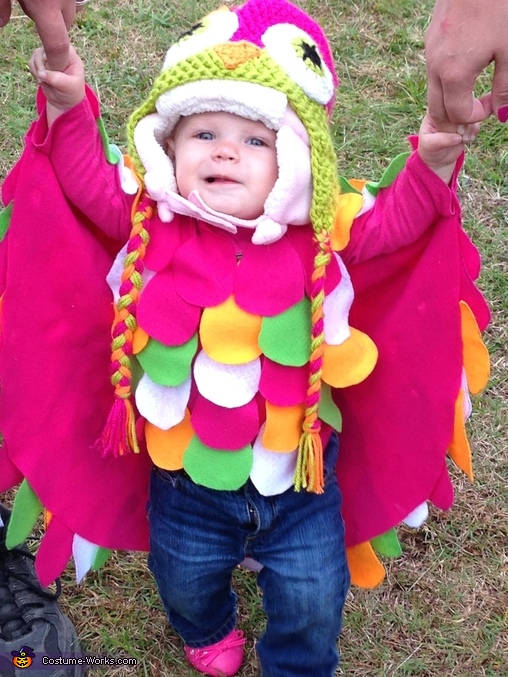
point(54, 369)
point(398, 423)
point(54, 365)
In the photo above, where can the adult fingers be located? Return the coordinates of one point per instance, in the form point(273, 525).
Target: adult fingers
point(459, 99)
point(486, 104)
point(55, 39)
point(500, 88)
point(5, 12)
point(435, 103)
point(38, 9)
point(52, 19)
point(451, 105)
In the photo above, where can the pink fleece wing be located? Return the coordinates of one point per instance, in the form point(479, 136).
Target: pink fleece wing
point(54, 368)
point(398, 423)
point(54, 552)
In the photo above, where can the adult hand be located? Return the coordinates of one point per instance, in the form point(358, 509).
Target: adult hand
point(63, 89)
point(441, 150)
point(52, 20)
point(463, 37)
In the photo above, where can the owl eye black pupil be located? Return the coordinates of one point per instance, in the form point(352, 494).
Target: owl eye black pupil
point(310, 52)
point(191, 31)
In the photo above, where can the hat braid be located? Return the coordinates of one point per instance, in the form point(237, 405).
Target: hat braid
point(309, 468)
point(119, 435)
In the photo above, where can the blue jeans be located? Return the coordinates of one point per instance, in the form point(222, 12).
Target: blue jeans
point(198, 537)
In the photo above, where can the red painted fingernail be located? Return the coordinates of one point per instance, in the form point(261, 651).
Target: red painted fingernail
point(502, 114)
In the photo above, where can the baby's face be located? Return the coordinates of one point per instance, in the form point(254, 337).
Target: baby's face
point(231, 161)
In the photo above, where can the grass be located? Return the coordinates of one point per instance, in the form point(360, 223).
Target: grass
point(443, 609)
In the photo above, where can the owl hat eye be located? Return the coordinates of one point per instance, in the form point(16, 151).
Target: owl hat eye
point(266, 60)
point(300, 57)
point(216, 28)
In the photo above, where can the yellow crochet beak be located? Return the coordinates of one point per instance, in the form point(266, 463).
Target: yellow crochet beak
point(234, 54)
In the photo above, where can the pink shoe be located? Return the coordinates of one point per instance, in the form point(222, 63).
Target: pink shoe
point(219, 660)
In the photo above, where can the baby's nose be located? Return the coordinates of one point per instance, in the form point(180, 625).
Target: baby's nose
point(226, 150)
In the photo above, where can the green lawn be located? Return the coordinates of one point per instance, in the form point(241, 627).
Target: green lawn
point(443, 609)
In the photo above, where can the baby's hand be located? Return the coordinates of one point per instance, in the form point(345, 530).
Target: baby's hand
point(63, 89)
point(441, 150)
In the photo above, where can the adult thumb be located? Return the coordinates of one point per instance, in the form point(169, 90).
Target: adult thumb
point(5, 12)
point(500, 89)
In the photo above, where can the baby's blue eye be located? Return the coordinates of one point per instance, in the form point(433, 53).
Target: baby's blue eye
point(256, 142)
point(206, 136)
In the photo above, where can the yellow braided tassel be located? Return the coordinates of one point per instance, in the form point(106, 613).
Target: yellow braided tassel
point(309, 466)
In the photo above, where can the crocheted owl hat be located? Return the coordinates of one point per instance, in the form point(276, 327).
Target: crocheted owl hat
point(262, 61)
point(269, 61)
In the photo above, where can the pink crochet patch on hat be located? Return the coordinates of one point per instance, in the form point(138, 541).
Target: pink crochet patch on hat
point(258, 15)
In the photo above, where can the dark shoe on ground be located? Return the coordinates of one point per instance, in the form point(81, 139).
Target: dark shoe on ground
point(30, 618)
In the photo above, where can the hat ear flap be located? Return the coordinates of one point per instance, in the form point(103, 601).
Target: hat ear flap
point(291, 197)
point(159, 172)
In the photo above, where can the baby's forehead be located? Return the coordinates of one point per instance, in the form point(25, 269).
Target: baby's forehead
point(220, 118)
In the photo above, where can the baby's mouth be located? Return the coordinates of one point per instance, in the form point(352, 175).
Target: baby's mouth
point(219, 179)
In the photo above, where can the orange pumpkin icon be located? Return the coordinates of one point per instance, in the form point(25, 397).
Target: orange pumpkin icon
point(23, 658)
